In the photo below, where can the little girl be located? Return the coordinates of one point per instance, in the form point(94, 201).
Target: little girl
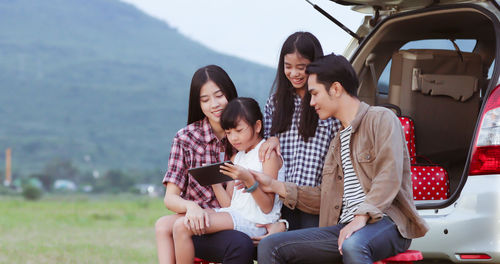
point(244, 208)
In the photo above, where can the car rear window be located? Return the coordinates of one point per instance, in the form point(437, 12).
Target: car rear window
point(466, 45)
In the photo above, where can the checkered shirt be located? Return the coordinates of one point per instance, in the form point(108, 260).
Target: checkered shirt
point(193, 146)
point(303, 160)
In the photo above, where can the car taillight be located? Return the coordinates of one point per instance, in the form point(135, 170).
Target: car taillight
point(474, 256)
point(486, 152)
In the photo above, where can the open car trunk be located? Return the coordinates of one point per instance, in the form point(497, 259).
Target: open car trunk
point(393, 5)
point(441, 90)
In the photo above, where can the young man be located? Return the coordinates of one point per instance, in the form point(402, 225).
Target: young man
point(365, 199)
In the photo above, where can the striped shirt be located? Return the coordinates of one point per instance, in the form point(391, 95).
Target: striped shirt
point(353, 193)
point(303, 161)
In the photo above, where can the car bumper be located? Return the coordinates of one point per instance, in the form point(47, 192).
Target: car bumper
point(471, 225)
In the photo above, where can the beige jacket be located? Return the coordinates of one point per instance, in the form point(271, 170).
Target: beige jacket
point(381, 163)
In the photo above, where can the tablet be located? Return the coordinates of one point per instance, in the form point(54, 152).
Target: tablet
point(210, 174)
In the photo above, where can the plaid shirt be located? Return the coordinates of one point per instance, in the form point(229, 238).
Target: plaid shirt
point(194, 146)
point(303, 160)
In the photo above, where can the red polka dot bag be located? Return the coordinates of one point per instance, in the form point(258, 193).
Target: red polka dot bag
point(430, 182)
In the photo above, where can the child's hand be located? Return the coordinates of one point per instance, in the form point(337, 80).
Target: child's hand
point(236, 172)
point(239, 185)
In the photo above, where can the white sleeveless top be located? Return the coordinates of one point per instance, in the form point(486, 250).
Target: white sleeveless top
point(243, 202)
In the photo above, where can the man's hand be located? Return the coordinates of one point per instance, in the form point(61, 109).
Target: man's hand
point(356, 224)
point(271, 229)
point(272, 143)
point(265, 181)
point(196, 219)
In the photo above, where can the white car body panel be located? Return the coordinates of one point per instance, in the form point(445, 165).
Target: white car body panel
point(472, 222)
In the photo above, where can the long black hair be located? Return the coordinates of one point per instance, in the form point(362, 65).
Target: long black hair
point(308, 46)
point(241, 108)
point(203, 75)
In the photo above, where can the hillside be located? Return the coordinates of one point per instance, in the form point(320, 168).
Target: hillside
point(100, 83)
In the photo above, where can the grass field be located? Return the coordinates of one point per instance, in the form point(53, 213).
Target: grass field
point(79, 229)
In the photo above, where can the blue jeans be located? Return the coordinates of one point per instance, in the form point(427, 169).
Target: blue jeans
point(298, 219)
point(228, 247)
point(320, 245)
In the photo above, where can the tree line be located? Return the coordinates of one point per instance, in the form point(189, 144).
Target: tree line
point(109, 181)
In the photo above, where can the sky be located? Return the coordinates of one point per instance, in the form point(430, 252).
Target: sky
point(253, 30)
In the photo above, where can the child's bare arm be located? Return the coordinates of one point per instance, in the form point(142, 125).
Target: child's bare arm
point(230, 185)
point(271, 166)
point(230, 189)
point(222, 196)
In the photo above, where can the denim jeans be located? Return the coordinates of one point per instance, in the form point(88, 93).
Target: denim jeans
point(298, 219)
point(320, 245)
point(227, 247)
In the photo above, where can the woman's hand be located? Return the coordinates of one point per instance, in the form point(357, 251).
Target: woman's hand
point(196, 219)
point(272, 143)
point(271, 229)
point(236, 172)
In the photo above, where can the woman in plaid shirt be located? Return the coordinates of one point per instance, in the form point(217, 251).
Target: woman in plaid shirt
point(291, 125)
point(201, 142)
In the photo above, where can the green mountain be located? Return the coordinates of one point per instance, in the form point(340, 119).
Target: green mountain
point(100, 83)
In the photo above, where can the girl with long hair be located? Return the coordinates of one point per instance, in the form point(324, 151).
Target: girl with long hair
point(292, 126)
point(201, 142)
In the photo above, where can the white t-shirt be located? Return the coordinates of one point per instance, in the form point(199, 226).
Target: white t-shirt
point(243, 202)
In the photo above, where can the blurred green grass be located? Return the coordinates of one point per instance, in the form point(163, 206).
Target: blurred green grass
point(79, 229)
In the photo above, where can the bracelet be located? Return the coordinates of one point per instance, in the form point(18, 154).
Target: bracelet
point(285, 222)
point(252, 188)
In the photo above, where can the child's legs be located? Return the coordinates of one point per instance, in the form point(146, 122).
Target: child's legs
point(164, 241)
point(184, 249)
point(243, 225)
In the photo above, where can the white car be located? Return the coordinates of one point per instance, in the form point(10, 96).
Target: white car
point(439, 62)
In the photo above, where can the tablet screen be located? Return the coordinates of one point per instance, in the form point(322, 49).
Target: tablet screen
point(210, 174)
